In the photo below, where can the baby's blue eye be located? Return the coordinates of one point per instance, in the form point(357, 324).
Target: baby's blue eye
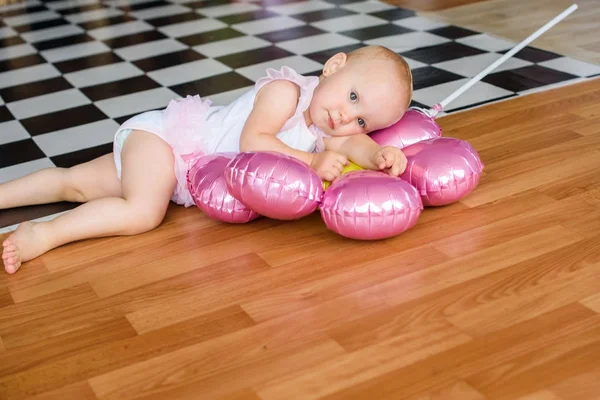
point(361, 122)
point(353, 96)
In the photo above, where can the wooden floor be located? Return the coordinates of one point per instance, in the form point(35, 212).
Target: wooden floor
point(577, 36)
point(494, 297)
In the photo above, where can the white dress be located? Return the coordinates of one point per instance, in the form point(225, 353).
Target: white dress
point(193, 127)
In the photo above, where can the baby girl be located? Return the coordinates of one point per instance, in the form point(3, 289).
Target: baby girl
point(323, 121)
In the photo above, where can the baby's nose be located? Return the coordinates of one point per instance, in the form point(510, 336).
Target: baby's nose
point(347, 117)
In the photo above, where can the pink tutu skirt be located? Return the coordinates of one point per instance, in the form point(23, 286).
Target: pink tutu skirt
point(183, 125)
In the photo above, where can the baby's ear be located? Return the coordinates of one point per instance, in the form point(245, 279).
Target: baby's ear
point(335, 63)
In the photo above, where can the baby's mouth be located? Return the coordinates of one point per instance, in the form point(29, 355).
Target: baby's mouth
point(330, 121)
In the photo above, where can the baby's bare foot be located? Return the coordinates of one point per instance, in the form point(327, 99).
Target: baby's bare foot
point(23, 245)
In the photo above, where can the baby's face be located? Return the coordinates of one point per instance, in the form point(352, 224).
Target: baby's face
point(361, 97)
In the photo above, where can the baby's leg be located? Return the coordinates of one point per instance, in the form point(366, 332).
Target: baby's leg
point(81, 183)
point(147, 184)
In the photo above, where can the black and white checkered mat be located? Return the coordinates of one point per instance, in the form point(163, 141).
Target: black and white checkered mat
point(71, 71)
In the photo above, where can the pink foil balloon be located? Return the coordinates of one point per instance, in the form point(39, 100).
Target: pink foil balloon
point(443, 170)
point(274, 185)
point(414, 127)
point(370, 205)
point(206, 183)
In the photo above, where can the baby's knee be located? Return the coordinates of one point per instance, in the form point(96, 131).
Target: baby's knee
point(71, 190)
point(145, 217)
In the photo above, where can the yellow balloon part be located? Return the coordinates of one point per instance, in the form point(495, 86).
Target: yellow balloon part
point(348, 168)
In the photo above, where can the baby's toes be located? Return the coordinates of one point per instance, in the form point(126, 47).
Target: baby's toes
point(12, 266)
point(9, 251)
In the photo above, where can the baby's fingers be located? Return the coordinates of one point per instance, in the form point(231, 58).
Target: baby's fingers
point(379, 160)
point(327, 176)
point(399, 167)
point(342, 159)
point(339, 166)
point(391, 161)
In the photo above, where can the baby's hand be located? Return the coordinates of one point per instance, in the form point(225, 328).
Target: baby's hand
point(329, 164)
point(391, 159)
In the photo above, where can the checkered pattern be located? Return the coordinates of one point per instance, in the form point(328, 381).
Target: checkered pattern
point(71, 71)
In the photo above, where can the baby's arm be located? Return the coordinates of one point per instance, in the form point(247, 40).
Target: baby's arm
point(364, 151)
point(358, 148)
point(274, 104)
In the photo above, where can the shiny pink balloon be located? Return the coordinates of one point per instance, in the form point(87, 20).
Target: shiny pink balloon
point(443, 170)
point(412, 128)
point(370, 205)
point(274, 185)
point(206, 183)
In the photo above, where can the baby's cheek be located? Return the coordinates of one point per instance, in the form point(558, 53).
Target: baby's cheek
point(353, 129)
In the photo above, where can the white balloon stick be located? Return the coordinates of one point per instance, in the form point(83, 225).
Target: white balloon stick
point(438, 107)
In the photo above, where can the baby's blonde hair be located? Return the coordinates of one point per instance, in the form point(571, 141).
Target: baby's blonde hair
point(376, 52)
